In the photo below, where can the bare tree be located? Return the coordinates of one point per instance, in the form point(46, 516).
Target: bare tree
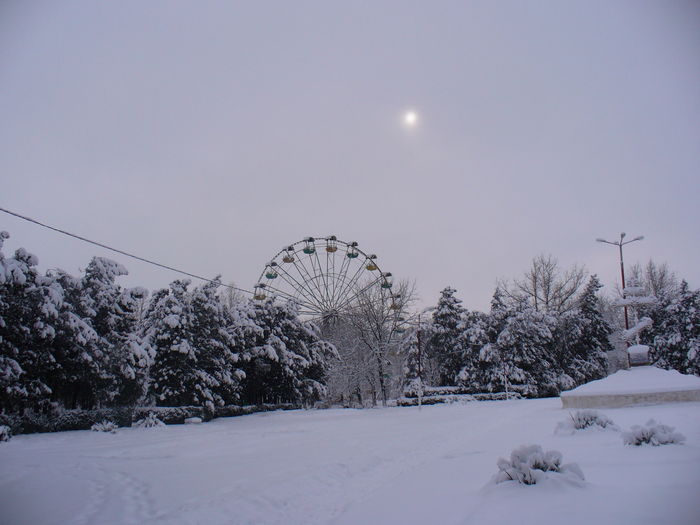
point(657, 279)
point(230, 295)
point(350, 377)
point(369, 343)
point(546, 287)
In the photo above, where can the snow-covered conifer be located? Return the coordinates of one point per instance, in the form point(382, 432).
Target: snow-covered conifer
point(81, 374)
point(215, 347)
point(525, 348)
point(475, 334)
point(30, 315)
point(444, 343)
point(413, 367)
point(113, 314)
point(288, 364)
point(175, 375)
point(581, 340)
point(675, 332)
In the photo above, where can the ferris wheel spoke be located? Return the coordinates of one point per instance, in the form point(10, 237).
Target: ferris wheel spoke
point(358, 292)
point(338, 278)
point(310, 313)
point(300, 287)
point(289, 296)
point(349, 284)
point(329, 286)
point(277, 291)
point(343, 275)
point(333, 276)
point(313, 281)
point(323, 277)
point(310, 279)
point(335, 281)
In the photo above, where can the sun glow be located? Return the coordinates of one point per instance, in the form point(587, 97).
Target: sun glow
point(410, 119)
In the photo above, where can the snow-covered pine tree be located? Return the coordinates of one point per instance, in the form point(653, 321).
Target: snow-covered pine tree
point(176, 379)
point(493, 375)
point(113, 314)
point(41, 337)
point(309, 356)
point(10, 370)
point(260, 357)
point(135, 354)
point(443, 344)
point(475, 335)
point(215, 346)
point(525, 350)
point(23, 349)
point(491, 369)
point(413, 367)
point(82, 374)
point(675, 333)
point(582, 339)
point(288, 364)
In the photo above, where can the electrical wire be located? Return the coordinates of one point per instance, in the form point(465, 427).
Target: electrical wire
point(101, 245)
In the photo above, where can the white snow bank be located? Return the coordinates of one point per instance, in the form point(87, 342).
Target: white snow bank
point(643, 379)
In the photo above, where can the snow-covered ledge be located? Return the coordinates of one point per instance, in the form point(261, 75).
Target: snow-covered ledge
point(643, 385)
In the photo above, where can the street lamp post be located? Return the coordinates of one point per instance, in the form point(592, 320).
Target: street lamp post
point(620, 244)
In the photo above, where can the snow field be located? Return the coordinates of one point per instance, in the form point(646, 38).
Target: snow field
point(384, 466)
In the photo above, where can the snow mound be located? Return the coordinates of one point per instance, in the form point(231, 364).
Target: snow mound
point(529, 465)
point(643, 385)
point(652, 433)
point(638, 380)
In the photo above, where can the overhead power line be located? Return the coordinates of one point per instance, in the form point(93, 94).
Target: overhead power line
point(101, 245)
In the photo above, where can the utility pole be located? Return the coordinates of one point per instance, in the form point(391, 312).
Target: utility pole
point(620, 244)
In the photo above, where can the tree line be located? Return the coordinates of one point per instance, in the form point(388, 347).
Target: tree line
point(549, 331)
point(87, 342)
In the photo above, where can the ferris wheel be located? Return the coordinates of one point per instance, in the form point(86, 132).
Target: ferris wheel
point(325, 276)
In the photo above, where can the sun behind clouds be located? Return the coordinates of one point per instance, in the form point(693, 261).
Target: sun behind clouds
point(410, 119)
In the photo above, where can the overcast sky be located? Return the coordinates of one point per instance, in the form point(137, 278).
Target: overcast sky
point(207, 135)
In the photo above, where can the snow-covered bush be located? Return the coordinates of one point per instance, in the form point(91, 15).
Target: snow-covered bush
point(582, 419)
point(150, 421)
point(529, 465)
point(652, 433)
point(5, 433)
point(237, 410)
point(172, 415)
point(84, 419)
point(104, 426)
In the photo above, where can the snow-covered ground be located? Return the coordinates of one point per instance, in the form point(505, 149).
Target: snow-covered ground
point(385, 466)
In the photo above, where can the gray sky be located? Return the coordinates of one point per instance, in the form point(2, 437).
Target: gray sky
point(207, 135)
